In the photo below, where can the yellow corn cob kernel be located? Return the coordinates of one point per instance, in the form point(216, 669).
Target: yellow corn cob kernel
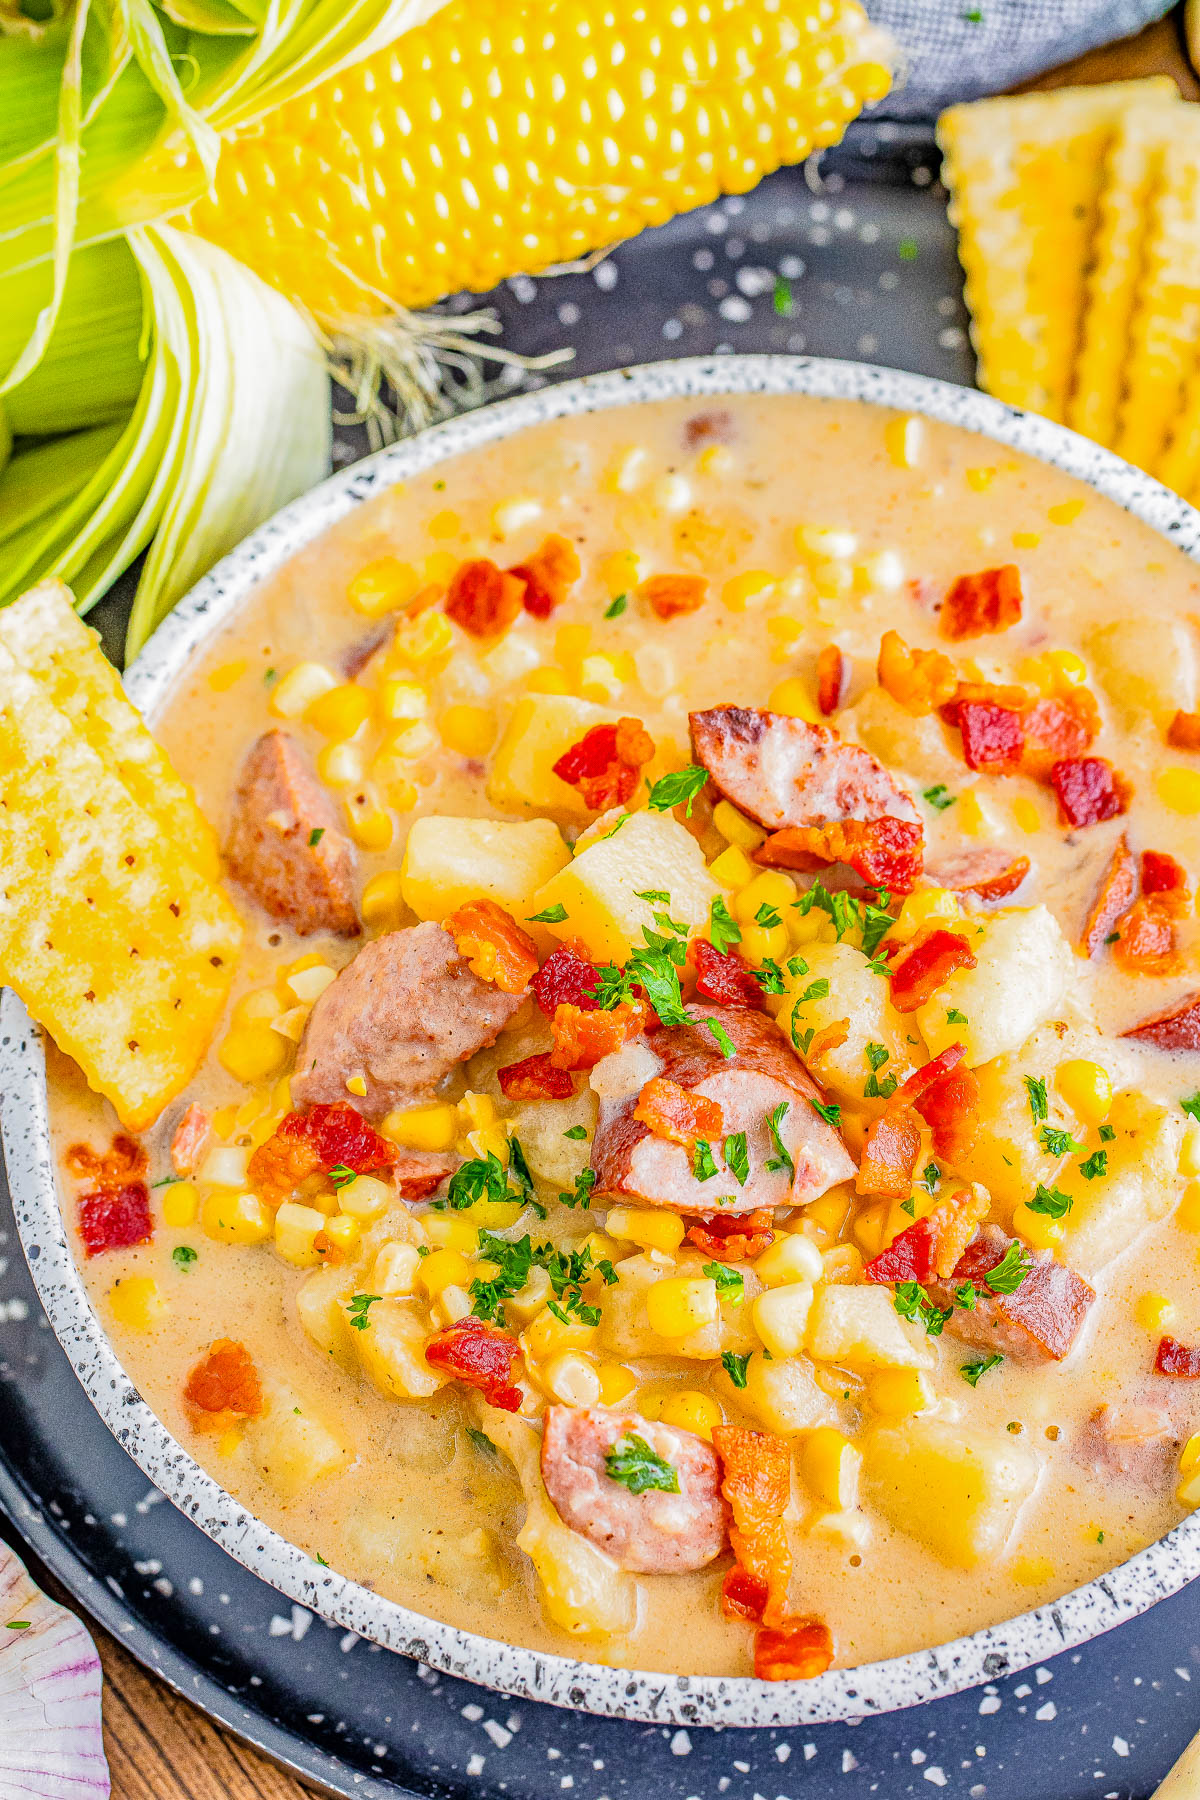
point(1187, 1213)
point(307, 978)
point(490, 1140)
point(899, 1393)
point(760, 944)
point(1188, 1491)
point(929, 906)
point(232, 1218)
point(828, 1214)
point(382, 586)
point(398, 699)
point(531, 1300)
point(296, 1230)
point(1038, 1229)
point(340, 765)
point(296, 691)
point(253, 1052)
point(423, 1127)
point(367, 819)
point(258, 1007)
point(692, 1411)
point(740, 590)
point(870, 1223)
point(382, 902)
point(500, 138)
point(422, 643)
point(1189, 1456)
point(736, 828)
point(904, 440)
point(180, 1205)
point(1189, 1151)
point(549, 1334)
point(1179, 789)
point(792, 1257)
point(444, 524)
point(364, 1198)
point(223, 678)
point(616, 1383)
point(1066, 512)
point(1026, 540)
point(343, 1234)
point(1154, 1312)
point(732, 868)
point(1032, 1571)
point(980, 480)
point(843, 1263)
point(650, 1229)
point(680, 1305)
point(447, 1231)
point(1087, 1089)
point(395, 1269)
point(546, 680)
point(770, 887)
point(780, 1317)
point(571, 1379)
point(339, 713)
point(441, 1268)
point(224, 1121)
point(829, 1466)
point(452, 1304)
point(136, 1303)
point(1026, 815)
point(471, 730)
point(792, 696)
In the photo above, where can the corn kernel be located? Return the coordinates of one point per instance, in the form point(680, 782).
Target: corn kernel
point(570, 1379)
point(1038, 1229)
point(364, 1198)
point(1187, 1213)
point(450, 1231)
point(1026, 815)
point(619, 572)
point(367, 819)
point(899, 1393)
point(451, 1305)
point(549, 1334)
point(471, 730)
point(572, 643)
point(1189, 1456)
point(290, 1024)
point(738, 593)
point(398, 699)
point(929, 906)
point(1066, 512)
point(490, 1140)
point(1033, 1571)
point(253, 1053)
point(494, 1215)
point(791, 1258)
point(307, 981)
point(180, 1205)
point(1067, 669)
point(476, 1111)
point(1087, 1089)
point(736, 828)
point(616, 1383)
point(602, 676)
point(870, 1223)
point(904, 440)
point(680, 1305)
point(780, 1316)
point(296, 1230)
point(233, 1218)
point(439, 567)
point(432, 1127)
point(807, 928)
point(761, 944)
point(828, 1214)
point(1189, 1150)
point(732, 868)
point(296, 691)
point(1179, 789)
point(225, 1121)
point(340, 765)
point(692, 1411)
point(424, 643)
point(513, 515)
point(792, 696)
point(339, 713)
point(649, 1229)
point(136, 1303)
point(823, 542)
point(628, 471)
point(395, 1269)
point(441, 1268)
point(382, 903)
point(357, 1085)
point(531, 1300)
point(444, 524)
point(546, 680)
point(763, 890)
point(1026, 540)
point(1188, 1491)
point(980, 480)
point(715, 459)
point(342, 1233)
point(843, 1263)
point(1154, 1312)
point(829, 1466)
point(382, 586)
point(258, 1007)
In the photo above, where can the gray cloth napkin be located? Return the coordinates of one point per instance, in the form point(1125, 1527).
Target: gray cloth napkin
point(962, 49)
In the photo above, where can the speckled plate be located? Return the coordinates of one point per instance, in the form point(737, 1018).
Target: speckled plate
point(876, 1687)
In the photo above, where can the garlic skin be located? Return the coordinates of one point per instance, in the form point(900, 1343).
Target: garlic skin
point(51, 1746)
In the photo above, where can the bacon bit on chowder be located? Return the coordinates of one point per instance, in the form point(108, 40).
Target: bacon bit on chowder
point(605, 764)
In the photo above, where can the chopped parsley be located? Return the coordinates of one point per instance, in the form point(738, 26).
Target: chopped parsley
point(340, 1174)
point(167, 1181)
point(616, 606)
point(1096, 1164)
point(1010, 1271)
point(482, 1441)
point(317, 1557)
point(568, 1270)
point(874, 1089)
point(576, 1132)
point(939, 797)
point(183, 1256)
point(767, 916)
point(782, 297)
point(725, 1043)
point(518, 1169)
point(730, 1285)
point(1052, 1202)
point(831, 1114)
point(315, 836)
point(613, 830)
point(17, 1624)
point(360, 1309)
point(1038, 1104)
point(782, 1157)
point(1056, 1142)
point(657, 895)
point(723, 928)
point(769, 976)
point(637, 1467)
point(796, 966)
point(907, 249)
point(703, 1164)
point(737, 1156)
point(816, 990)
point(585, 1182)
point(973, 1370)
point(1191, 1106)
point(909, 1206)
point(872, 922)
point(675, 789)
point(954, 1017)
point(930, 1176)
point(912, 1302)
point(966, 1295)
point(1107, 1133)
point(735, 1366)
point(550, 915)
point(654, 967)
point(486, 1178)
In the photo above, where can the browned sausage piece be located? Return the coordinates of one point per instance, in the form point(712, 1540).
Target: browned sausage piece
point(1137, 1441)
point(993, 874)
point(653, 1533)
point(1038, 1322)
point(763, 1074)
point(783, 771)
point(404, 1013)
point(285, 845)
point(1176, 1029)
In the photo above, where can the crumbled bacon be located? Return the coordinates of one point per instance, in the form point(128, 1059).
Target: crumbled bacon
point(1146, 938)
point(123, 1161)
point(1178, 1028)
point(978, 604)
point(1114, 897)
point(934, 1246)
point(535, 1078)
point(1166, 880)
point(993, 736)
point(483, 1356)
point(565, 979)
point(1174, 1358)
point(191, 1139)
point(582, 1038)
point(1089, 789)
point(721, 975)
point(920, 681)
point(886, 853)
point(314, 1142)
point(890, 1154)
point(1183, 733)
point(605, 764)
point(743, 1596)
point(548, 573)
point(678, 1115)
point(113, 1218)
point(1061, 725)
point(1040, 1319)
point(990, 874)
point(757, 1470)
point(483, 599)
point(832, 670)
point(494, 945)
point(950, 1107)
point(926, 965)
point(830, 1037)
point(798, 1650)
point(733, 1237)
point(670, 595)
point(223, 1387)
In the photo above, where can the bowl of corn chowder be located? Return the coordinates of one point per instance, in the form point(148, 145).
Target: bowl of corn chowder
point(691, 1211)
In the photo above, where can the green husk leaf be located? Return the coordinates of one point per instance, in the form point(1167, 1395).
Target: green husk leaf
point(94, 363)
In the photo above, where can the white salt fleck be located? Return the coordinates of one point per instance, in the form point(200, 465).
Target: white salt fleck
point(1049, 1711)
point(849, 1762)
point(1120, 1746)
point(782, 1752)
point(735, 309)
point(981, 1749)
point(918, 1757)
point(552, 1755)
point(681, 1744)
point(472, 1713)
point(936, 1775)
point(810, 1750)
point(568, 313)
point(195, 1585)
point(379, 1749)
point(1023, 1692)
point(742, 1768)
point(501, 1738)
point(1042, 1676)
point(606, 275)
point(279, 1626)
point(989, 1704)
point(315, 1718)
point(723, 1784)
point(152, 1567)
point(672, 328)
point(475, 1764)
point(568, 1781)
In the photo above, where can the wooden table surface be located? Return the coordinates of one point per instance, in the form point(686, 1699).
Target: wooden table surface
point(159, 1746)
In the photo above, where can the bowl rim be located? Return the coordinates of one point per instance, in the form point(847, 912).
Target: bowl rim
point(886, 1685)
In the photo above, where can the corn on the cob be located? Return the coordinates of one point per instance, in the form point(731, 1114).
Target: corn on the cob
point(501, 138)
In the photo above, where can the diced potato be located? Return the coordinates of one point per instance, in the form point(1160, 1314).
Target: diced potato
point(293, 1449)
point(956, 1491)
point(918, 747)
point(450, 861)
point(541, 1126)
point(391, 1349)
point(860, 1328)
point(1146, 665)
point(1022, 964)
point(782, 1394)
point(858, 997)
point(648, 852)
point(1141, 1184)
point(625, 1330)
point(540, 729)
point(320, 1302)
point(1007, 1157)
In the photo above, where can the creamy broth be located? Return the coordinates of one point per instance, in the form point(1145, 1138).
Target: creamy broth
point(413, 1504)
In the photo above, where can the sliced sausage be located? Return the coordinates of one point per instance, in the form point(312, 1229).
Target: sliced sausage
point(992, 874)
point(285, 845)
point(1178, 1028)
point(652, 1533)
point(783, 771)
point(763, 1074)
point(404, 1013)
point(1114, 897)
point(191, 1139)
point(1038, 1322)
point(1137, 1441)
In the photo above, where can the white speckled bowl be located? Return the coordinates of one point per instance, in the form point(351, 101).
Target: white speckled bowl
point(842, 1693)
